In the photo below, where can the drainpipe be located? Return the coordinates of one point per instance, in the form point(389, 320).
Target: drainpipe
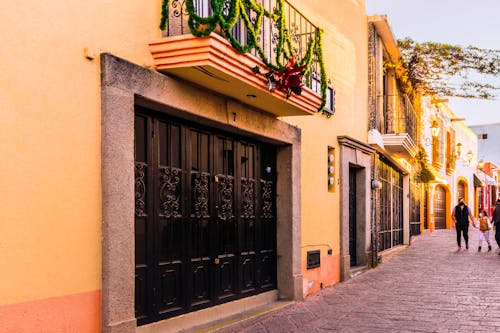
point(373, 233)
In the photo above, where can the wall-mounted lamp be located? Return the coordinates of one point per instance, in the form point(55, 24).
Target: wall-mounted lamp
point(469, 156)
point(376, 184)
point(435, 128)
point(480, 164)
point(459, 149)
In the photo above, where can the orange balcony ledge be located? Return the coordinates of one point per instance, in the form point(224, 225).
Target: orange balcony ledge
point(213, 63)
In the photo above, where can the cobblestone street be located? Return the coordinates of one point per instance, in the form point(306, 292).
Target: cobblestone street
point(427, 288)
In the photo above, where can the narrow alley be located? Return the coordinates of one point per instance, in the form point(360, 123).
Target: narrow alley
point(427, 288)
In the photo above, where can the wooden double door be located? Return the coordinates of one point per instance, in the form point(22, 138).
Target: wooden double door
point(440, 208)
point(205, 221)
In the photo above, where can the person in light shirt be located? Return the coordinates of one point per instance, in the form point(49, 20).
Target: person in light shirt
point(484, 230)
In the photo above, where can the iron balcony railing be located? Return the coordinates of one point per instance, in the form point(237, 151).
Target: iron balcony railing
point(401, 118)
point(301, 31)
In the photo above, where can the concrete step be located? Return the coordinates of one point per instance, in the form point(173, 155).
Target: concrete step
point(237, 322)
point(355, 271)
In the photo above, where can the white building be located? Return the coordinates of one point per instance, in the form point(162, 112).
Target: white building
point(451, 149)
point(488, 142)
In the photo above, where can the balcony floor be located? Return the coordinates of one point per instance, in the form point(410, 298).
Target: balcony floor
point(213, 63)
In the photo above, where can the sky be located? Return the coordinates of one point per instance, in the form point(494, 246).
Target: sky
point(457, 22)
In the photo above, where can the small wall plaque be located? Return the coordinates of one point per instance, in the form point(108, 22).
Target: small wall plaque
point(313, 259)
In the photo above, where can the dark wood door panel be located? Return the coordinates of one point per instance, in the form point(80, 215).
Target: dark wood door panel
point(225, 278)
point(170, 245)
point(201, 282)
point(170, 286)
point(141, 292)
point(267, 270)
point(248, 280)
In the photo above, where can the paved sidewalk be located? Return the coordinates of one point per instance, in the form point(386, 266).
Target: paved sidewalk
point(427, 288)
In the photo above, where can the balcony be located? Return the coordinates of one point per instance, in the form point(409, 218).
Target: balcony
point(400, 130)
point(230, 51)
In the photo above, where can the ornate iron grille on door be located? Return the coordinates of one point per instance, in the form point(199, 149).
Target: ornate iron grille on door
point(390, 213)
point(205, 221)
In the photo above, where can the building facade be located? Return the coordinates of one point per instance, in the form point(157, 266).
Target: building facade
point(451, 151)
point(462, 179)
point(487, 138)
point(393, 132)
point(336, 168)
point(488, 151)
point(155, 173)
point(486, 184)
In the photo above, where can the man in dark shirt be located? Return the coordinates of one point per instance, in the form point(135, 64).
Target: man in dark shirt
point(496, 222)
point(461, 216)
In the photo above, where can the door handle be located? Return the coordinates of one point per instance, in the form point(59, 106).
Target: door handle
point(154, 298)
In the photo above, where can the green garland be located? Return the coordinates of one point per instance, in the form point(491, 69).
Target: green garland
point(164, 14)
point(424, 173)
point(324, 80)
point(203, 26)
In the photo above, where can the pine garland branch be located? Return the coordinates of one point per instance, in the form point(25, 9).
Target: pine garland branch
point(239, 10)
point(425, 174)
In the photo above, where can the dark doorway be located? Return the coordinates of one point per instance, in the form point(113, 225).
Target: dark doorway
point(440, 208)
point(352, 217)
point(461, 190)
point(415, 202)
point(205, 221)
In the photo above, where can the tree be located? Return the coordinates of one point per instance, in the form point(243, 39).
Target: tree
point(450, 70)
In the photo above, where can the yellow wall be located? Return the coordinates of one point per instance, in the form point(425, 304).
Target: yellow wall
point(345, 52)
point(50, 139)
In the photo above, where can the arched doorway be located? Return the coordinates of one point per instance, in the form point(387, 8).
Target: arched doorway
point(462, 190)
point(440, 207)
